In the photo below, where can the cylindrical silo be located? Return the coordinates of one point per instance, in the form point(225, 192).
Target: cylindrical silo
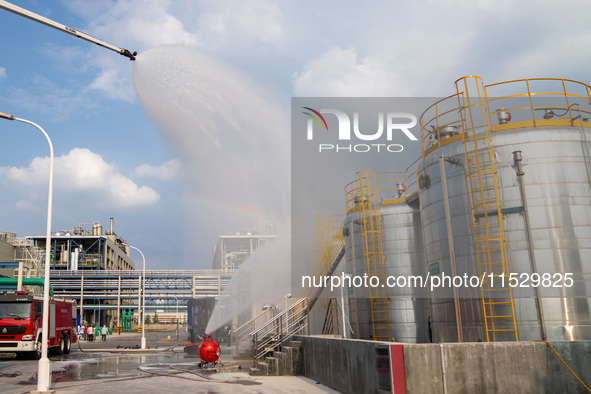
point(401, 237)
point(543, 195)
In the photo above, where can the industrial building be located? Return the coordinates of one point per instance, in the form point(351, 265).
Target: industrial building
point(230, 251)
point(14, 251)
point(87, 249)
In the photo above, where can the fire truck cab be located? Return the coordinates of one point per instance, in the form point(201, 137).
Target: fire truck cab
point(21, 324)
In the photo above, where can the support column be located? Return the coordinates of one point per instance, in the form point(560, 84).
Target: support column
point(139, 302)
point(81, 298)
point(19, 285)
point(119, 302)
point(450, 243)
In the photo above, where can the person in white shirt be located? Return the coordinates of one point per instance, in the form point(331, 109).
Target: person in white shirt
point(104, 332)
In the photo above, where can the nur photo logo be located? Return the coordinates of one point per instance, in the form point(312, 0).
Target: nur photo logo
point(389, 124)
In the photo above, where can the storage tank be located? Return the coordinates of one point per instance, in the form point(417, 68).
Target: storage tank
point(527, 143)
point(401, 239)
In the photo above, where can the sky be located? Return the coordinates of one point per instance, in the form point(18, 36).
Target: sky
point(116, 158)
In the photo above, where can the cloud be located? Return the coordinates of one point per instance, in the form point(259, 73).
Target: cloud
point(2, 72)
point(165, 172)
point(242, 24)
point(112, 84)
point(28, 206)
point(339, 72)
point(135, 25)
point(85, 176)
point(42, 95)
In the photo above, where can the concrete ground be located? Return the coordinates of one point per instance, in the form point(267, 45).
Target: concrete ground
point(92, 369)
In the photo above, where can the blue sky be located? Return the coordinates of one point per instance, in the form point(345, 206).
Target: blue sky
point(114, 160)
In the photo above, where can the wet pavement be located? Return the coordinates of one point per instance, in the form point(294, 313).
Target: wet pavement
point(94, 367)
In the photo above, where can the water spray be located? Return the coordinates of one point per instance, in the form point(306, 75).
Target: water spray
point(58, 26)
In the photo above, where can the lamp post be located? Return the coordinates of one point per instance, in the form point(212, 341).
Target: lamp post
point(143, 295)
point(177, 317)
point(44, 368)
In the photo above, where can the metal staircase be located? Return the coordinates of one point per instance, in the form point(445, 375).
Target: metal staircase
point(362, 196)
point(331, 250)
point(270, 335)
point(487, 218)
point(331, 324)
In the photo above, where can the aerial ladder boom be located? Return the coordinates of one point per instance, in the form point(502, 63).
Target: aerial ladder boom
point(58, 26)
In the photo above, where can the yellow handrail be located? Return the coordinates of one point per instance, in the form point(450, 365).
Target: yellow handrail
point(441, 123)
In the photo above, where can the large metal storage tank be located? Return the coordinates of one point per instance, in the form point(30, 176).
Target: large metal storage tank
point(437, 249)
point(404, 256)
point(403, 249)
point(548, 231)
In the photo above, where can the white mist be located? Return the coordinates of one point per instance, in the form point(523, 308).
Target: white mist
point(233, 138)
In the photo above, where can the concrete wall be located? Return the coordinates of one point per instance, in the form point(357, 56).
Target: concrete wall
point(349, 366)
point(6, 252)
point(6, 255)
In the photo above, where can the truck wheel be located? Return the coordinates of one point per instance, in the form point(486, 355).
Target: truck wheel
point(36, 354)
point(60, 350)
point(67, 345)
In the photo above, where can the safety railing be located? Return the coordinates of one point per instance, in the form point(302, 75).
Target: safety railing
point(397, 186)
point(361, 192)
point(241, 335)
point(532, 102)
point(137, 273)
point(538, 102)
point(440, 123)
point(272, 334)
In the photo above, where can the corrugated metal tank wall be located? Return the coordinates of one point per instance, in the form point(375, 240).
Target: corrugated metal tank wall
point(403, 250)
point(559, 198)
point(359, 305)
point(443, 317)
point(559, 202)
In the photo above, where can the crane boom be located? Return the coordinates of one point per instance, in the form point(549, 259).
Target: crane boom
point(58, 26)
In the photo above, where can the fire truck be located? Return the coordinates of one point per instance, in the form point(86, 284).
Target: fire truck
point(21, 322)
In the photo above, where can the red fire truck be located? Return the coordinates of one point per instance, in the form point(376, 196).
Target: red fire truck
point(21, 324)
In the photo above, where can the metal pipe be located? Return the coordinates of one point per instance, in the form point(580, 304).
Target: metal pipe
point(450, 242)
point(517, 159)
point(58, 26)
point(25, 281)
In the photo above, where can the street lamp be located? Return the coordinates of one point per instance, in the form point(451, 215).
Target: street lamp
point(177, 317)
point(143, 299)
point(44, 369)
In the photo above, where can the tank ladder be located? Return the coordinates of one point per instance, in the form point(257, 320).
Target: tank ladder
point(487, 219)
point(373, 253)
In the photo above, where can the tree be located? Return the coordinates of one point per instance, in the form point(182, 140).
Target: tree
point(156, 321)
point(148, 319)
